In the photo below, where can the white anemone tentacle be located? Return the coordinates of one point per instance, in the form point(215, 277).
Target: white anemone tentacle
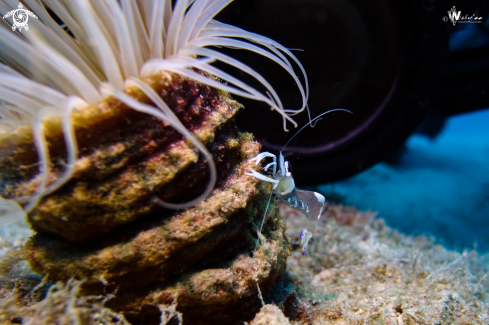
point(110, 42)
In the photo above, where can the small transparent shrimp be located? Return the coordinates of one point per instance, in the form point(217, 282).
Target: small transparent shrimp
point(308, 202)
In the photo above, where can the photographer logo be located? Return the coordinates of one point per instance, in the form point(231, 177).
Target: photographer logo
point(456, 17)
point(20, 17)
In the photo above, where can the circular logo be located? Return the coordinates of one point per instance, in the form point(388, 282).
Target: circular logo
point(20, 17)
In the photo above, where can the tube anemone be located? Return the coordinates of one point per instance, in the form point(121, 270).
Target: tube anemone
point(111, 46)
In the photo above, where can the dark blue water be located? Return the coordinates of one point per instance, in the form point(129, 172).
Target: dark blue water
point(440, 188)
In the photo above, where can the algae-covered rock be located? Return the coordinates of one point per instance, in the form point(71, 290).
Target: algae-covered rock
point(164, 243)
point(202, 258)
point(125, 158)
point(103, 227)
point(218, 295)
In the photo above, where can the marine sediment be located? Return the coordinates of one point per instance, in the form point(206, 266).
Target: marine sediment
point(361, 271)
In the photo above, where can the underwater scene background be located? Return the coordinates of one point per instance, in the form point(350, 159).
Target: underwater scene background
point(439, 187)
point(244, 162)
point(428, 160)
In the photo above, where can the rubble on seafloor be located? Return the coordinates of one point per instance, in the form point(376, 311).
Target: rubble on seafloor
point(270, 315)
point(360, 271)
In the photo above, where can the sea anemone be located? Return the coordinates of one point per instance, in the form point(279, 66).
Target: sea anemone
point(101, 49)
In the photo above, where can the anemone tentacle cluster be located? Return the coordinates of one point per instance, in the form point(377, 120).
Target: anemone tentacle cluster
point(115, 118)
point(112, 46)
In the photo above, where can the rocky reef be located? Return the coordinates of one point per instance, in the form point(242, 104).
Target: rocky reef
point(104, 228)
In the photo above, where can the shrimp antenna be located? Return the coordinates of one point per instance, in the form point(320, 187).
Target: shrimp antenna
point(315, 119)
point(262, 222)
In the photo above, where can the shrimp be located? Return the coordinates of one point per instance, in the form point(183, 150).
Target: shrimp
point(309, 203)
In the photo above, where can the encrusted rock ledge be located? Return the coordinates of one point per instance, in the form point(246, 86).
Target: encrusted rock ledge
point(163, 242)
point(103, 229)
point(125, 159)
point(223, 293)
point(212, 243)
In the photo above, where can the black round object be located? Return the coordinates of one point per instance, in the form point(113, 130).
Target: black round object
point(383, 60)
